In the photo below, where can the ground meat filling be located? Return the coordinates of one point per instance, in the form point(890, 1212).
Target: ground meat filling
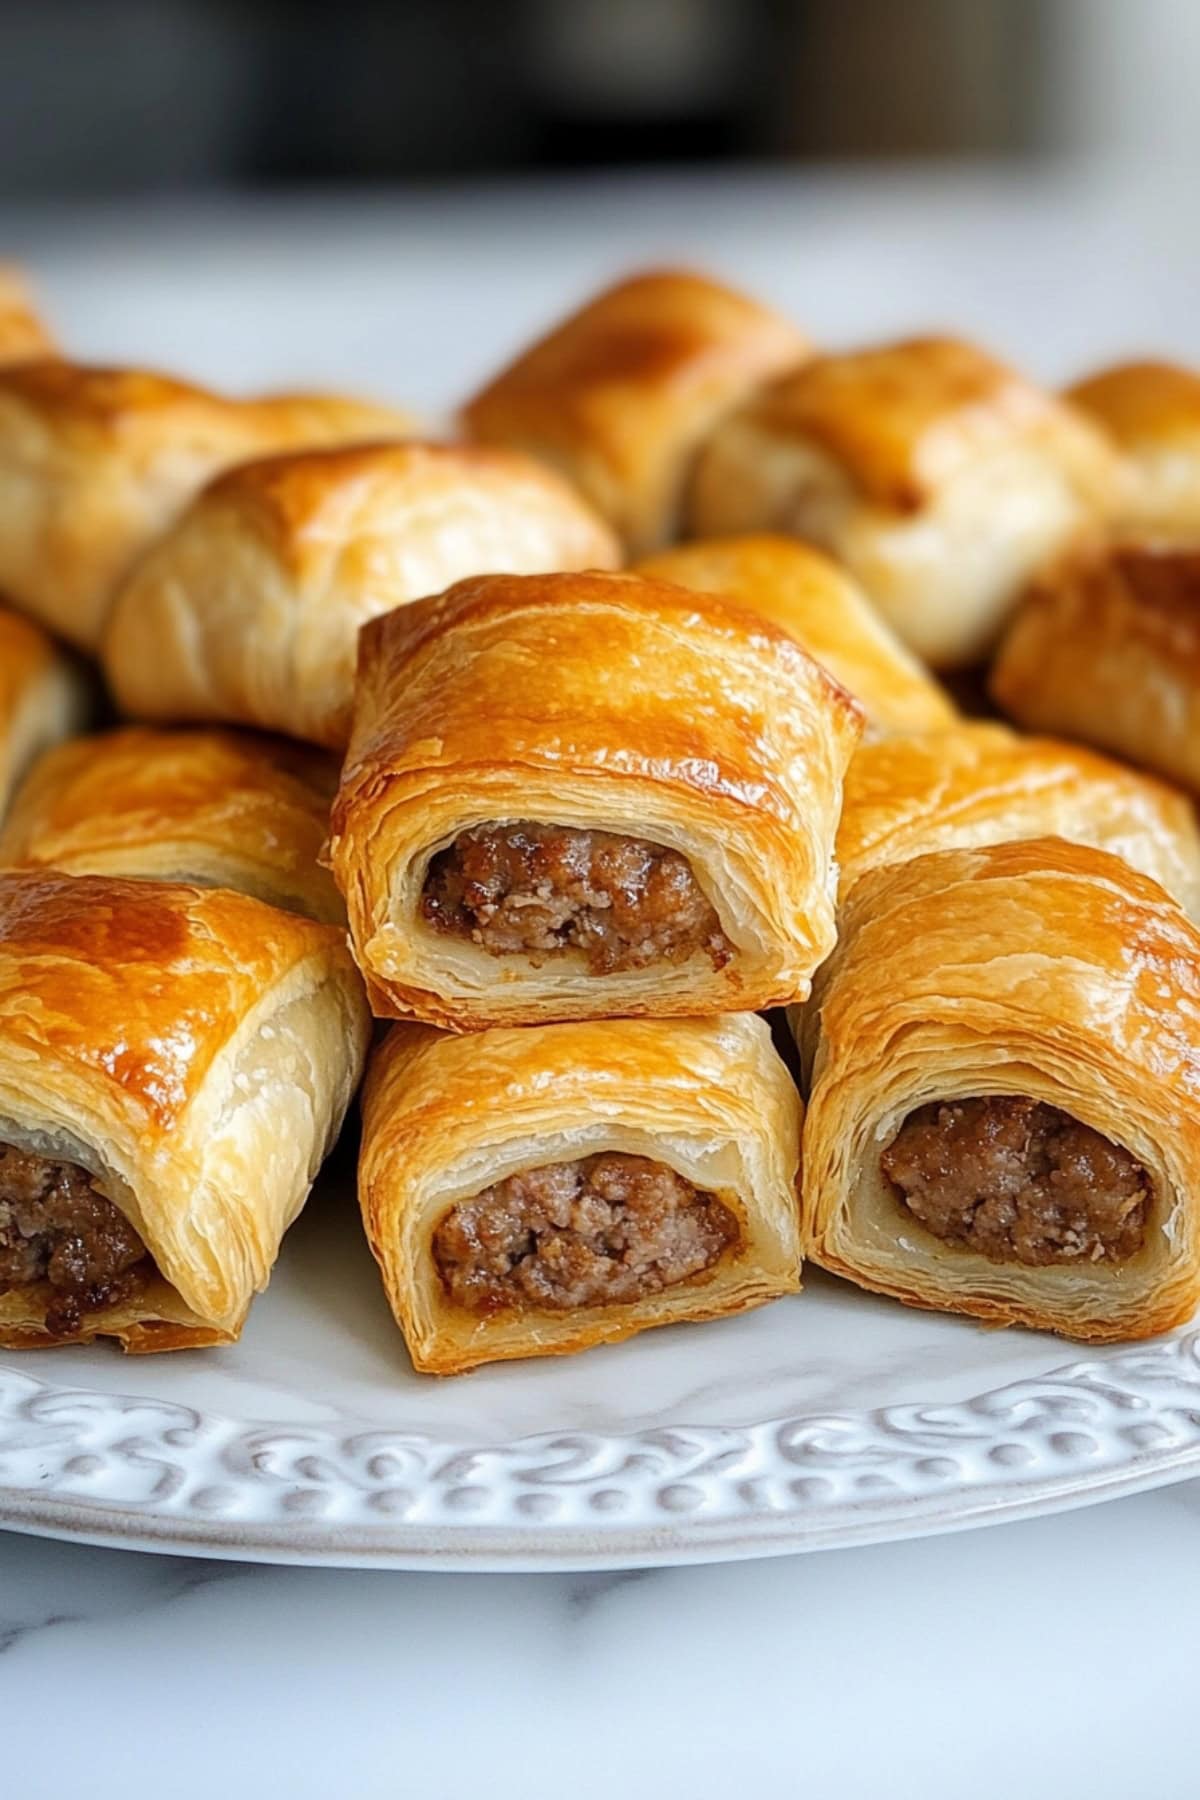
point(537, 889)
point(1018, 1181)
point(55, 1227)
point(590, 1233)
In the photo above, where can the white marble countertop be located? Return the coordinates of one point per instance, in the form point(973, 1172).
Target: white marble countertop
point(1052, 1658)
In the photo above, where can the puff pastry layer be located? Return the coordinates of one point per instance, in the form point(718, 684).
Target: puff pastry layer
point(195, 1051)
point(808, 595)
point(43, 698)
point(94, 463)
point(1152, 410)
point(445, 1118)
point(983, 784)
point(249, 610)
point(1106, 647)
point(219, 808)
point(937, 475)
point(600, 703)
point(1044, 970)
point(23, 335)
point(621, 395)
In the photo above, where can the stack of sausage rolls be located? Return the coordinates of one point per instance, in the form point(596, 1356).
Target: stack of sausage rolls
point(572, 745)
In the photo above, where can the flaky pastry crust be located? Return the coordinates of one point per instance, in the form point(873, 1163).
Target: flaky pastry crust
point(249, 610)
point(940, 477)
point(23, 334)
point(983, 784)
point(809, 596)
point(1106, 648)
point(43, 698)
point(1152, 411)
point(621, 395)
point(220, 808)
point(95, 463)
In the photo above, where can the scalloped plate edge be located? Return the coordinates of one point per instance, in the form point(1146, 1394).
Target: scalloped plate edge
point(144, 1473)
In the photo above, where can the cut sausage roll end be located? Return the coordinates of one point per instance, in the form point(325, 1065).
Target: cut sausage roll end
point(583, 796)
point(175, 1063)
point(535, 1192)
point(1002, 1119)
point(938, 476)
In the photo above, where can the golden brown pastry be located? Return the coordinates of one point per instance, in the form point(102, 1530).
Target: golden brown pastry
point(23, 335)
point(577, 796)
point(1106, 648)
point(621, 395)
point(808, 595)
point(175, 1062)
point(530, 1193)
point(249, 610)
point(94, 463)
point(43, 698)
point(983, 784)
point(1152, 410)
point(219, 808)
point(937, 475)
point(1003, 1118)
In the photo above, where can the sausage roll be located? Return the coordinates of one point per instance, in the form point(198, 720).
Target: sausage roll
point(809, 596)
point(219, 808)
point(94, 463)
point(982, 784)
point(622, 394)
point(579, 796)
point(531, 1193)
point(175, 1062)
point(1106, 647)
point(43, 698)
point(938, 476)
point(1004, 1117)
point(1152, 410)
point(249, 610)
point(23, 335)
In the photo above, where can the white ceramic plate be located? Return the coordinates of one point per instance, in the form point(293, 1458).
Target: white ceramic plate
point(830, 1419)
point(833, 1418)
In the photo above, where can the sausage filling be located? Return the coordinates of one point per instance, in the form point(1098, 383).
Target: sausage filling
point(1018, 1181)
point(55, 1227)
point(598, 1231)
point(538, 889)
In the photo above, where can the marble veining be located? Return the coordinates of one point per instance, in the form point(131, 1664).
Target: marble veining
point(872, 1670)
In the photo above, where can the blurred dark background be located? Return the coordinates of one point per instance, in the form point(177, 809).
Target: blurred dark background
point(136, 96)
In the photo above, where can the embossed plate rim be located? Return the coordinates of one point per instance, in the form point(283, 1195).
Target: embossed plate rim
point(144, 1473)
